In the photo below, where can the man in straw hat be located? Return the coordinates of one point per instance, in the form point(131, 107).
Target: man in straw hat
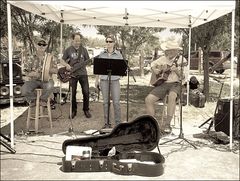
point(166, 77)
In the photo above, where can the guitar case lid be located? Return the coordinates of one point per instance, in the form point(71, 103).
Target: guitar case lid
point(141, 134)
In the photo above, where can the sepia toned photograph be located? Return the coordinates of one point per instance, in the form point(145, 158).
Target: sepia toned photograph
point(119, 90)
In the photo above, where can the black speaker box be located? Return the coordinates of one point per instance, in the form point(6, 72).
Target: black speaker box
point(17, 71)
point(222, 116)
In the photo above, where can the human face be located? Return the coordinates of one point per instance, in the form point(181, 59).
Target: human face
point(42, 47)
point(171, 53)
point(76, 41)
point(110, 43)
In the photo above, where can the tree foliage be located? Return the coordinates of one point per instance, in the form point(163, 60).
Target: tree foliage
point(212, 35)
point(24, 24)
point(131, 39)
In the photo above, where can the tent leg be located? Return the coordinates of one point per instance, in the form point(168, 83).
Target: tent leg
point(5, 144)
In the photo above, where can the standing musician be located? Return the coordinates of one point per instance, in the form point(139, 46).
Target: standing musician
point(75, 58)
point(33, 69)
point(102, 81)
point(166, 77)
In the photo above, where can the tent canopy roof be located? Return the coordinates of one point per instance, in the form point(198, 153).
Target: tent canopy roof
point(171, 14)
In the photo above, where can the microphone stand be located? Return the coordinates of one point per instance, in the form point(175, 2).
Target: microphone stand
point(70, 129)
point(181, 135)
point(128, 71)
point(109, 103)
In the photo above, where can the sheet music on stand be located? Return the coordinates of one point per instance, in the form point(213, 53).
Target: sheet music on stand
point(102, 66)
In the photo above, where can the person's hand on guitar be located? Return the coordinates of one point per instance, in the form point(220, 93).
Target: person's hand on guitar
point(164, 67)
point(68, 67)
point(34, 74)
point(174, 68)
point(160, 68)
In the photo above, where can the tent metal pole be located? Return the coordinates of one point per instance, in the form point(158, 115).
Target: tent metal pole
point(231, 93)
point(60, 86)
point(10, 65)
point(188, 67)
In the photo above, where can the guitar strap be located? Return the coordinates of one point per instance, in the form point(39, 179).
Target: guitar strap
point(80, 52)
point(175, 60)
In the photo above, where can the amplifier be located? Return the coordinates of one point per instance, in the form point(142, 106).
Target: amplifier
point(17, 72)
point(222, 116)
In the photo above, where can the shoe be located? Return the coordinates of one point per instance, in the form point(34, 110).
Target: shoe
point(168, 130)
point(106, 126)
point(43, 103)
point(87, 114)
point(74, 113)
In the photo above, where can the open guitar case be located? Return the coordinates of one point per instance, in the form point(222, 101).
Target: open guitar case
point(133, 142)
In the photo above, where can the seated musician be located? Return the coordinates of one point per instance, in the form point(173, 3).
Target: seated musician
point(166, 77)
point(33, 68)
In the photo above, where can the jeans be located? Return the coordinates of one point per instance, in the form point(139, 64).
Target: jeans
point(28, 89)
point(115, 96)
point(83, 80)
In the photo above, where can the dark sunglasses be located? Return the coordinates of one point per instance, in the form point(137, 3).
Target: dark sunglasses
point(109, 41)
point(40, 44)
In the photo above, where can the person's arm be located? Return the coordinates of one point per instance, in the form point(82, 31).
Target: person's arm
point(34, 74)
point(28, 69)
point(97, 81)
point(65, 59)
point(157, 68)
point(82, 63)
point(65, 64)
point(177, 70)
point(79, 65)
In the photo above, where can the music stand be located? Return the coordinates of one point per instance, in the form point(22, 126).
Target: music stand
point(107, 66)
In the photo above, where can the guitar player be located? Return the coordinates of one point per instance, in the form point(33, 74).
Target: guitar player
point(75, 60)
point(166, 79)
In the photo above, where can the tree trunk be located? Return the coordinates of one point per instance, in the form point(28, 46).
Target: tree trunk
point(141, 58)
point(200, 58)
point(206, 72)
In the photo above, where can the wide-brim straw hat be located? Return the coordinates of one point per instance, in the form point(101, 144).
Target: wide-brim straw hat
point(171, 45)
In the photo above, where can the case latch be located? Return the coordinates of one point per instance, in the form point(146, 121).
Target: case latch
point(116, 167)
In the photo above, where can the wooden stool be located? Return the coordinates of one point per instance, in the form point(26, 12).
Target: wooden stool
point(39, 112)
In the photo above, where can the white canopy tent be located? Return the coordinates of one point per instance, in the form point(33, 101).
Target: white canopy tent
point(171, 14)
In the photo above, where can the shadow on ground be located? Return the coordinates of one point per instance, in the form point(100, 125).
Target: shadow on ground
point(62, 123)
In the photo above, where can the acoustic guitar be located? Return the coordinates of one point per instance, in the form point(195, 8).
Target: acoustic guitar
point(162, 76)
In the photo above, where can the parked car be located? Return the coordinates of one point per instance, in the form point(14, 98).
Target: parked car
point(214, 57)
